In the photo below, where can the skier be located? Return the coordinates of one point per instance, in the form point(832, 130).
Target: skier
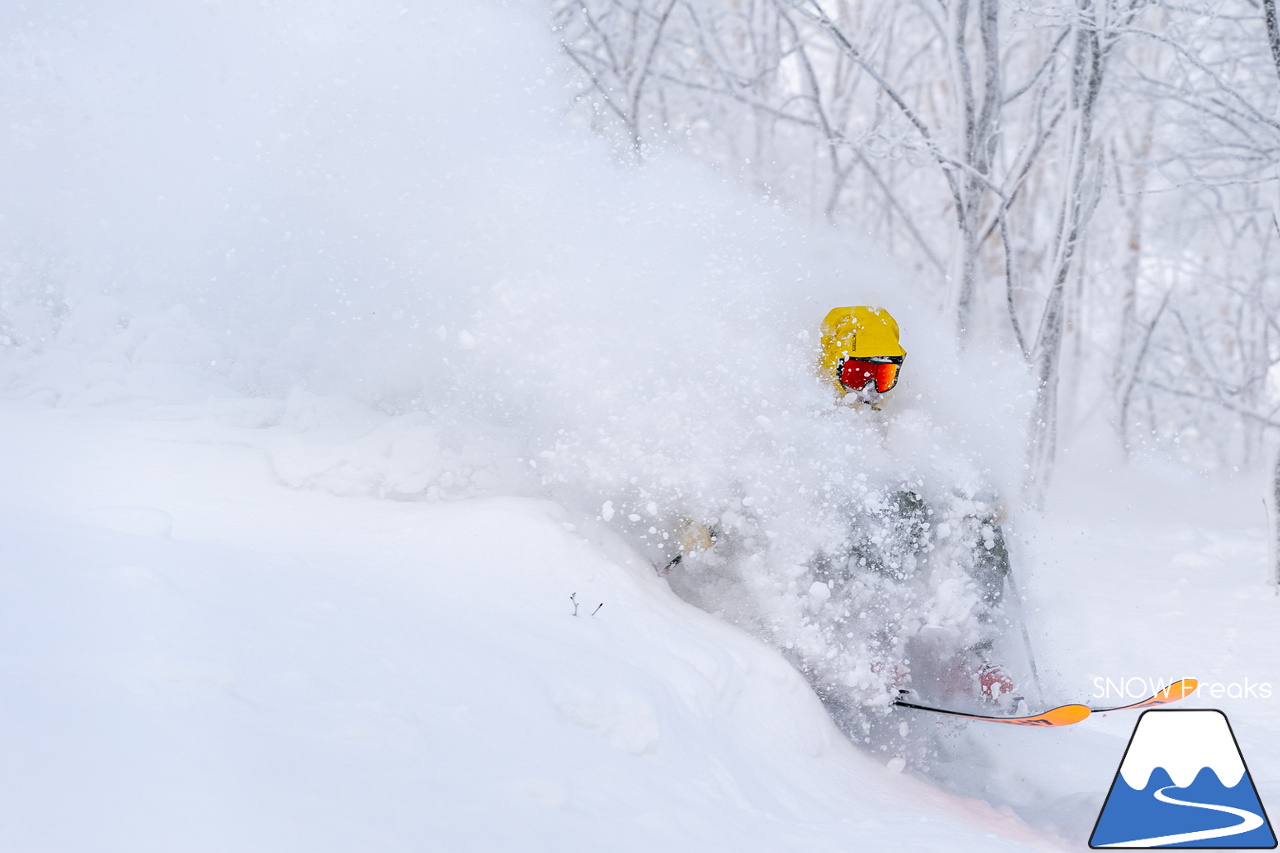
point(923, 578)
point(862, 356)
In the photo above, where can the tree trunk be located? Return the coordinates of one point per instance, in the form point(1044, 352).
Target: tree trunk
point(1273, 30)
point(1047, 353)
point(1275, 521)
point(1273, 38)
point(981, 125)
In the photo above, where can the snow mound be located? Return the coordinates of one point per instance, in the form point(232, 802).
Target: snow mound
point(293, 667)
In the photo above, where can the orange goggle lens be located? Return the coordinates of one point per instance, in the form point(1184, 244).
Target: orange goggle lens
point(855, 373)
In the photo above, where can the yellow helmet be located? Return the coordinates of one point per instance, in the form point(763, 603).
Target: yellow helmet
point(860, 344)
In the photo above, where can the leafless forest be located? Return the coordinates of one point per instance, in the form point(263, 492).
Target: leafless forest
point(1091, 182)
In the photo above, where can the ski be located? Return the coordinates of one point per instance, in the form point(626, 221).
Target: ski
point(1175, 691)
point(1063, 715)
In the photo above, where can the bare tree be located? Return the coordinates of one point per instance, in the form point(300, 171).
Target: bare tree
point(1083, 178)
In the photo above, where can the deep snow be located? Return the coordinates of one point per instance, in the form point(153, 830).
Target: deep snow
point(198, 652)
point(332, 364)
point(198, 656)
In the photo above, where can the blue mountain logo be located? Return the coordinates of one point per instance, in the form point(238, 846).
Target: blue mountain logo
point(1183, 783)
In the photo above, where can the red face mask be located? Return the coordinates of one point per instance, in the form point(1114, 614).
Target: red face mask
point(855, 373)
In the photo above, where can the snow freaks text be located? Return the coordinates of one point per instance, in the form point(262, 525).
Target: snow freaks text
point(1137, 687)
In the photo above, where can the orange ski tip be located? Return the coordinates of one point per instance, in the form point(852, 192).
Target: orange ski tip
point(1067, 715)
point(1179, 689)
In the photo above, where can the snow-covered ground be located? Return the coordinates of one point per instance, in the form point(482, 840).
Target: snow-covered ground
point(196, 652)
point(196, 656)
point(332, 366)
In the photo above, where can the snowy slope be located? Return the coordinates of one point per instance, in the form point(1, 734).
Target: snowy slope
point(323, 348)
point(197, 656)
point(197, 651)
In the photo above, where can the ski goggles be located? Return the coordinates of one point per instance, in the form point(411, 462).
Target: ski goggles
point(856, 373)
